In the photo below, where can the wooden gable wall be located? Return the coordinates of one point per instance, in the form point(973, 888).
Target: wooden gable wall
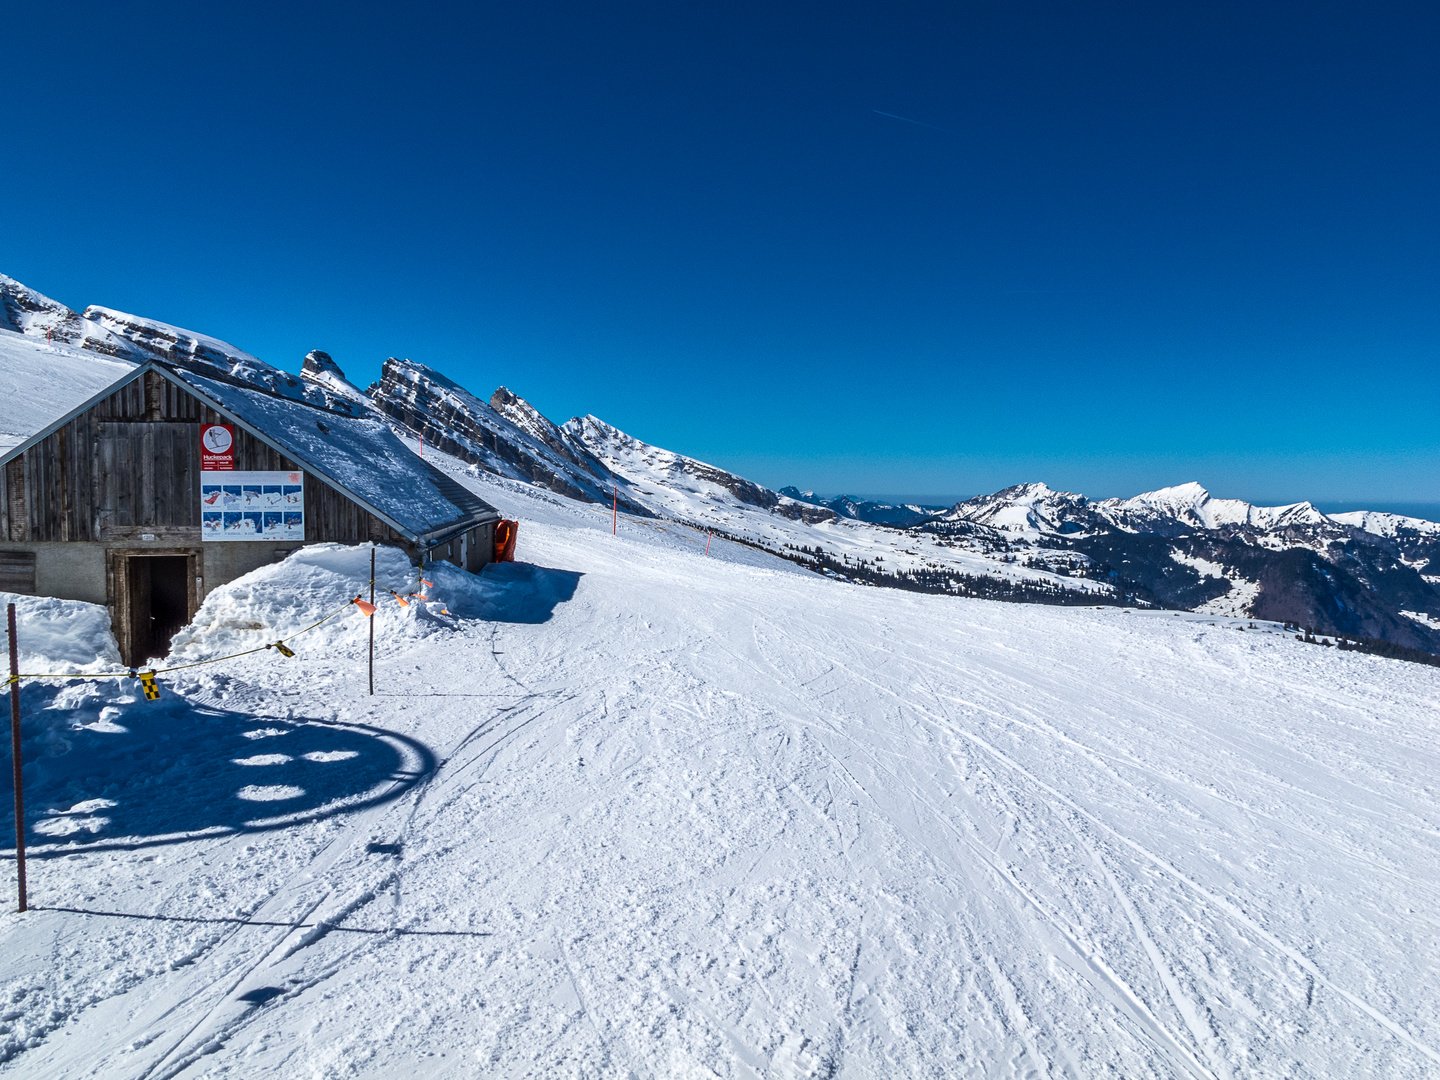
point(131, 464)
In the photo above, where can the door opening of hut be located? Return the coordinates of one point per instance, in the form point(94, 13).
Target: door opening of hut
point(159, 602)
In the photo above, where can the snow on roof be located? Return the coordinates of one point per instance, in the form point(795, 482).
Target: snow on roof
point(362, 456)
point(40, 383)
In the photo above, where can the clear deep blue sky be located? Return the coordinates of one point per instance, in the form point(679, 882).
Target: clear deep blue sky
point(1109, 246)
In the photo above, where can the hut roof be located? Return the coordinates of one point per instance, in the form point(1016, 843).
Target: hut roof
point(358, 456)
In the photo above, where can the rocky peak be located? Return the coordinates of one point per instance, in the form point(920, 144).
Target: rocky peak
point(319, 363)
point(453, 420)
point(322, 374)
point(530, 420)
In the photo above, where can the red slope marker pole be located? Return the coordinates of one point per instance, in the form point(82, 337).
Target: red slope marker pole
point(707, 543)
point(372, 620)
point(15, 754)
point(615, 511)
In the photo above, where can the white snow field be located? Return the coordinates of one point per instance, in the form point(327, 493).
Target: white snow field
point(632, 811)
point(40, 383)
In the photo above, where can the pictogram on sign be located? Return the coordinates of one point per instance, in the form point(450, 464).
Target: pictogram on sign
point(217, 448)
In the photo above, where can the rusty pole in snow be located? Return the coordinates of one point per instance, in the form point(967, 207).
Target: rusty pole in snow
point(15, 754)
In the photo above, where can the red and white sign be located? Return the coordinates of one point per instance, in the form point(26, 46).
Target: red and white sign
point(217, 448)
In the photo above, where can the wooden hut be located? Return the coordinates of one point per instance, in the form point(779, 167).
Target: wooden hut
point(120, 503)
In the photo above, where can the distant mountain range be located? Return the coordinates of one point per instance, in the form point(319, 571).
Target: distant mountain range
point(898, 515)
point(1362, 574)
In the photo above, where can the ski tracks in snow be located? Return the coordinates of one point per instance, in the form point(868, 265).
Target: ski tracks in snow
point(1203, 1053)
point(714, 820)
point(204, 1007)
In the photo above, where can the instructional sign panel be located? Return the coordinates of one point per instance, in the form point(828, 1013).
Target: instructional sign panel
point(252, 505)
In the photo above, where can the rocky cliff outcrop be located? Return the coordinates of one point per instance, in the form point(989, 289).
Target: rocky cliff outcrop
point(451, 418)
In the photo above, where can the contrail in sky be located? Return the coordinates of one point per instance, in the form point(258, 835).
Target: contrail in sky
point(919, 123)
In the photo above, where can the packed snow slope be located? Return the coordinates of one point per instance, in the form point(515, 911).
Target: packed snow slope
point(629, 810)
point(41, 382)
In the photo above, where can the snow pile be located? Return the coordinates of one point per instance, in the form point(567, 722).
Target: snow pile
point(60, 637)
point(282, 599)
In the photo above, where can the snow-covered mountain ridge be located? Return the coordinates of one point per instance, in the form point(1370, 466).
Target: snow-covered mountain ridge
point(1358, 574)
point(1363, 573)
point(1035, 508)
point(129, 337)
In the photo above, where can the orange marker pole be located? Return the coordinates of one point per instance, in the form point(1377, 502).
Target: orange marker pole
point(615, 511)
point(707, 543)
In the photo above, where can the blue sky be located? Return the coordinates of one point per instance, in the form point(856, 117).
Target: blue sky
point(878, 248)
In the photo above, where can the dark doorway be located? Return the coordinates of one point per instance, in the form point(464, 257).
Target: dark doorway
point(159, 603)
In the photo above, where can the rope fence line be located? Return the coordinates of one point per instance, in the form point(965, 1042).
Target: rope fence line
point(147, 676)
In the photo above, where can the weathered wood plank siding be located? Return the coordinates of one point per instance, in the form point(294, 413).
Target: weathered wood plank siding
point(331, 516)
point(132, 462)
point(147, 474)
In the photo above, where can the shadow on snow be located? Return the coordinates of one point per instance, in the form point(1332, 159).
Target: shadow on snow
point(169, 771)
point(522, 593)
point(119, 773)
